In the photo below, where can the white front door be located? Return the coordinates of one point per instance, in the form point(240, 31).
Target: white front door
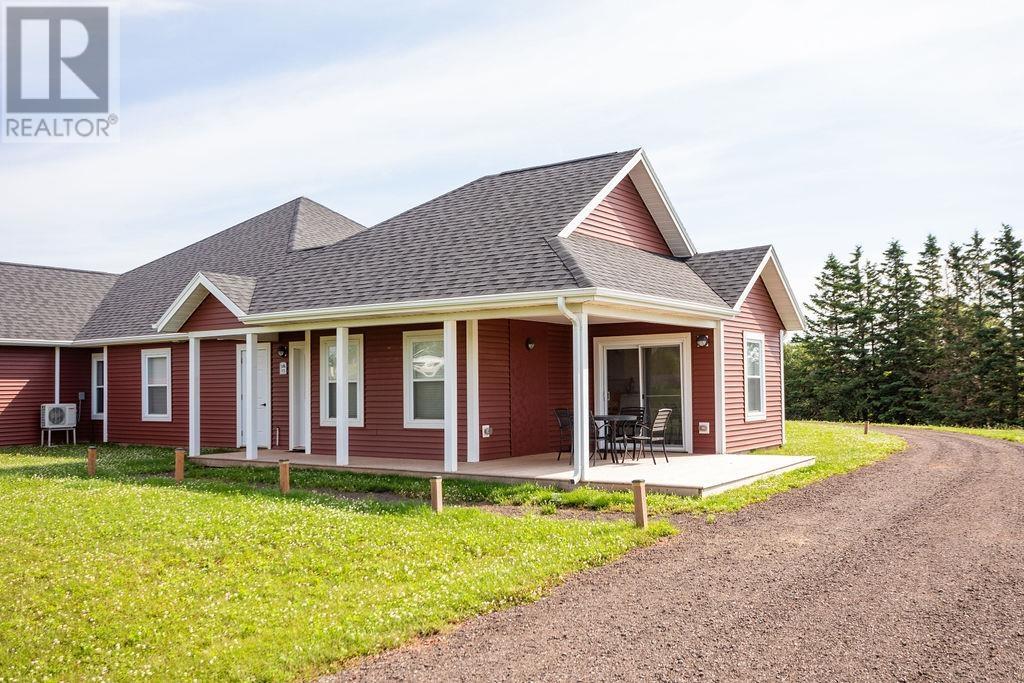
point(262, 394)
point(297, 393)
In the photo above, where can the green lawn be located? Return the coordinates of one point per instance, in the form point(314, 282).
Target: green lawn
point(1015, 434)
point(129, 575)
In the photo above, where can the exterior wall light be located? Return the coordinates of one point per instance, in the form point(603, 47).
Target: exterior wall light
point(530, 344)
point(282, 351)
point(702, 341)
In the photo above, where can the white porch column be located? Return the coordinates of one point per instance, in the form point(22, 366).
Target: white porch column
point(472, 392)
point(106, 397)
point(56, 374)
point(451, 404)
point(309, 391)
point(249, 407)
point(341, 389)
point(580, 397)
point(194, 444)
point(720, 387)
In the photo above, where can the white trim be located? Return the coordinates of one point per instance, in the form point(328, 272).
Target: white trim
point(146, 355)
point(308, 342)
point(188, 300)
point(411, 422)
point(451, 397)
point(341, 396)
point(782, 380)
point(472, 391)
point(194, 417)
point(137, 339)
point(36, 342)
point(680, 339)
point(671, 228)
point(779, 289)
point(106, 394)
point(463, 305)
point(249, 407)
point(325, 344)
point(56, 374)
point(720, 419)
point(93, 386)
point(293, 417)
point(581, 407)
point(240, 381)
point(762, 414)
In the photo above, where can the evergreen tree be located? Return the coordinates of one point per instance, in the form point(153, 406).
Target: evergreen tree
point(1007, 302)
point(860, 317)
point(826, 341)
point(929, 275)
point(899, 340)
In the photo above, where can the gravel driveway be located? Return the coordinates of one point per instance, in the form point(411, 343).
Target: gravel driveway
point(912, 568)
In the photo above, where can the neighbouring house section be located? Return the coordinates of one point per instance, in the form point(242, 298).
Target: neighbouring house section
point(451, 332)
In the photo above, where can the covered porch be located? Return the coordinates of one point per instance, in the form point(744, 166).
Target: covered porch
point(683, 475)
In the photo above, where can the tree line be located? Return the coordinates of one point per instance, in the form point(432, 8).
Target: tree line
point(939, 339)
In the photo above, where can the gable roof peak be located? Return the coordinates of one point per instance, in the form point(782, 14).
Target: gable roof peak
point(567, 162)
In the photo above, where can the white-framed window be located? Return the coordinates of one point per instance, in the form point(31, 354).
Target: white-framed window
point(753, 375)
point(99, 387)
point(156, 385)
point(423, 366)
point(329, 383)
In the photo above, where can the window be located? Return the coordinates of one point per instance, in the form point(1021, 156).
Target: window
point(156, 385)
point(99, 387)
point(329, 381)
point(753, 370)
point(424, 379)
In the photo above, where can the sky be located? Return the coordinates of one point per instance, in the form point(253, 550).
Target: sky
point(813, 126)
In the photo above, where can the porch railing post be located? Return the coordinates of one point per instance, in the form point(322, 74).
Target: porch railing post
point(194, 440)
point(451, 404)
point(251, 443)
point(341, 387)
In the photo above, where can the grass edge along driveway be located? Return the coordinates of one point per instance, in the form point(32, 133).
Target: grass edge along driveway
point(121, 578)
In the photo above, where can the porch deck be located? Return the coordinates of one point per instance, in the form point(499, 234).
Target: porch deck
point(683, 475)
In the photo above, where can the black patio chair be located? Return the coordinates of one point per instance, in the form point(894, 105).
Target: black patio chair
point(631, 429)
point(599, 434)
point(564, 419)
point(654, 434)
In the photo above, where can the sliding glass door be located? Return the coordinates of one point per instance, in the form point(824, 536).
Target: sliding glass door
point(649, 375)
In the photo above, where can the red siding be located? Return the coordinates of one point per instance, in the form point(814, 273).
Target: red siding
point(279, 397)
point(622, 217)
point(757, 314)
point(125, 397)
point(495, 388)
point(383, 433)
point(26, 382)
point(211, 314)
point(529, 387)
point(217, 399)
point(75, 378)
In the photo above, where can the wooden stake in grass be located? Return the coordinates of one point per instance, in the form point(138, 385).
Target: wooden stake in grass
point(284, 468)
point(865, 426)
point(436, 496)
point(179, 465)
point(640, 503)
point(90, 461)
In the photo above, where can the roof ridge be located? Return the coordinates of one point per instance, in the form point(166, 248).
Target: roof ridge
point(217, 234)
point(728, 251)
point(562, 163)
point(579, 275)
point(60, 268)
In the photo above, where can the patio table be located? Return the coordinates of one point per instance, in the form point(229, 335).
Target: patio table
point(615, 422)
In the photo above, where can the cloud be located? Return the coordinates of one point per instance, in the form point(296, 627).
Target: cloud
point(741, 106)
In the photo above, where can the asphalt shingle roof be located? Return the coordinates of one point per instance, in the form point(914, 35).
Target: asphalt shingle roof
point(728, 272)
point(52, 304)
point(486, 237)
point(600, 263)
point(233, 258)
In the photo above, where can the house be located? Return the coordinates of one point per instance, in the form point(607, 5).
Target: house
point(449, 332)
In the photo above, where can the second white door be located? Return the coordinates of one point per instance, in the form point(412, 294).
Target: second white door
point(262, 394)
